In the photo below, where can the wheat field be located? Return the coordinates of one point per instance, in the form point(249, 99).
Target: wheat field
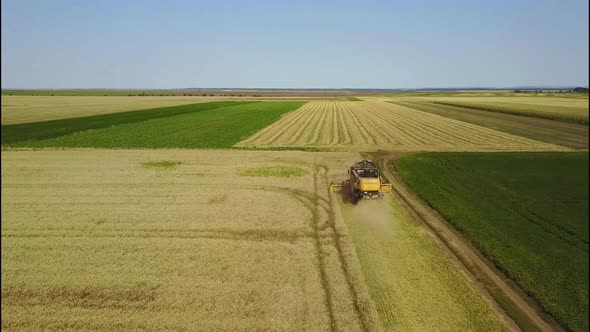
point(175, 240)
point(191, 240)
point(377, 125)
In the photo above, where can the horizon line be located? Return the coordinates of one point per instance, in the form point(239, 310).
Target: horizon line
point(552, 87)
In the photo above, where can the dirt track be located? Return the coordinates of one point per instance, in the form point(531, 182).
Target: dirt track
point(506, 297)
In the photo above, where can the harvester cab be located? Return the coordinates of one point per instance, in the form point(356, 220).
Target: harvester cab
point(364, 182)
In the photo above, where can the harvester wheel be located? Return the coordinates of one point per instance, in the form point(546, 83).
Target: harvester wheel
point(347, 196)
point(355, 197)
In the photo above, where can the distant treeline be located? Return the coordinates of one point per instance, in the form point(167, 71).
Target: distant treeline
point(183, 92)
point(577, 90)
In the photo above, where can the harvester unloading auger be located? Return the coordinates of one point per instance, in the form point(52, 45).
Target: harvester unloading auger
point(364, 182)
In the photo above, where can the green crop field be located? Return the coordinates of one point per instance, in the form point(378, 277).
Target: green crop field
point(55, 128)
point(352, 99)
point(528, 212)
point(207, 125)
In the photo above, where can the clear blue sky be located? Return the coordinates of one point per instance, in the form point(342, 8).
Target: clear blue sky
point(303, 44)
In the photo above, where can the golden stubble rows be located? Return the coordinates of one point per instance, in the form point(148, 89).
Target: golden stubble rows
point(376, 125)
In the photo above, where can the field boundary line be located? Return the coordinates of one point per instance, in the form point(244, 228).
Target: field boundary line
point(277, 124)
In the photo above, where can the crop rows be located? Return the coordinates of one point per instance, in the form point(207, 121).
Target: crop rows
point(375, 125)
point(570, 135)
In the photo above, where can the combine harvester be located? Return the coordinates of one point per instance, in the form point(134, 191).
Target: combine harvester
point(364, 182)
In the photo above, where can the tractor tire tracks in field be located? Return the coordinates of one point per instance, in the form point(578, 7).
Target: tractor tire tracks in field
point(517, 308)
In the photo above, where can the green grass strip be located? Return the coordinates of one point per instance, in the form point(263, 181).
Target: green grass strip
point(274, 171)
point(352, 99)
point(55, 128)
point(163, 164)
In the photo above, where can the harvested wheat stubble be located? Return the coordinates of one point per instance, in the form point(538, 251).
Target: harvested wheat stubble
point(414, 285)
point(92, 239)
point(373, 125)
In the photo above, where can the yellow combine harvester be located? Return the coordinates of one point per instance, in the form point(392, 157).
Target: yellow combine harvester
point(364, 182)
